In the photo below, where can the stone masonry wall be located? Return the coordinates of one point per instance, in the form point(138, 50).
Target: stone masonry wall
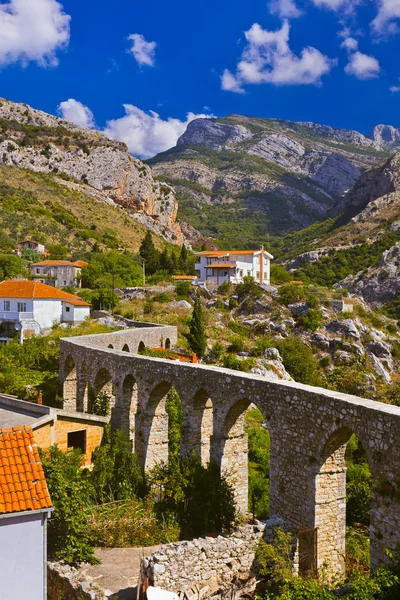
point(309, 428)
point(212, 561)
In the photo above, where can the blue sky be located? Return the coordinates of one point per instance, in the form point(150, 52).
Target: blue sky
point(330, 61)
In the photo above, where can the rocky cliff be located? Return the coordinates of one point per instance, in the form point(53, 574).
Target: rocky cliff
point(34, 140)
point(264, 175)
point(385, 136)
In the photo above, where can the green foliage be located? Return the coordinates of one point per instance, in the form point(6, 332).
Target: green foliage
point(359, 483)
point(299, 360)
point(225, 287)
point(57, 252)
point(11, 266)
point(312, 320)
point(99, 404)
point(218, 350)
point(259, 459)
point(116, 474)
point(104, 267)
point(197, 337)
point(198, 497)
point(275, 561)
point(149, 254)
point(69, 536)
point(183, 289)
point(237, 364)
point(291, 293)
point(279, 274)
point(236, 344)
point(248, 289)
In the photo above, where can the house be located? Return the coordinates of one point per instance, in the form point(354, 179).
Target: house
point(25, 506)
point(233, 265)
point(30, 245)
point(67, 429)
point(29, 307)
point(58, 273)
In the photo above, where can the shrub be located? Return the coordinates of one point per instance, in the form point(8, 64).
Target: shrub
point(236, 345)
point(161, 297)
point(248, 289)
point(279, 274)
point(99, 404)
point(290, 294)
point(312, 320)
point(312, 301)
point(182, 289)
point(232, 303)
point(299, 360)
point(225, 287)
point(148, 306)
point(197, 331)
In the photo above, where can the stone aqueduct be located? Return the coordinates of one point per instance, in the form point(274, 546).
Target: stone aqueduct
point(309, 429)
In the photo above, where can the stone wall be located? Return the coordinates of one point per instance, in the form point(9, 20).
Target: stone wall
point(309, 428)
point(212, 561)
point(63, 583)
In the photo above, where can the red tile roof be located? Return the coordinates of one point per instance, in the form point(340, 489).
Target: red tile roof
point(23, 288)
point(60, 263)
point(184, 277)
point(220, 265)
point(22, 481)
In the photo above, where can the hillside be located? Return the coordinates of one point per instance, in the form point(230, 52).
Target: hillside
point(250, 178)
point(33, 140)
point(52, 210)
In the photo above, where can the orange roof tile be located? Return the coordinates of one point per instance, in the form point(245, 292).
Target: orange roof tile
point(221, 265)
point(24, 288)
point(187, 277)
point(226, 252)
point(22, 481)
point(60, 263)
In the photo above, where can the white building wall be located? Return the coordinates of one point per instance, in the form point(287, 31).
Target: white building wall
point(75, 314)
point(47, 312)
point(22, 557)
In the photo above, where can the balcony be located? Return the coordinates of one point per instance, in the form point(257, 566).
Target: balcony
point(9, 315)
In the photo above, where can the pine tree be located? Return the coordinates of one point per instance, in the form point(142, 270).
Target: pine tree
point(149, 253)
point(197, 331)
point(165, 261)
point(183, 258)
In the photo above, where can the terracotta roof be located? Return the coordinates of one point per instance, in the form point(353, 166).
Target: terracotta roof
point(60, 263)
point(22, 481)
point(24, 288)
point(187, 277)
point(227, 252)
point(220, 265)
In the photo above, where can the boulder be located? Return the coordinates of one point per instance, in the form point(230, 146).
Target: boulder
point(380, 349)
point(347, 327)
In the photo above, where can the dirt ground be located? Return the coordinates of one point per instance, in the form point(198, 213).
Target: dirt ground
point(118, 573)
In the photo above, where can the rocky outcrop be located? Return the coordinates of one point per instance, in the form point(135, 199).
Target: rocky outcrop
point(211, 133)
point(379, 284)
point(43, 143)
point(385, 135)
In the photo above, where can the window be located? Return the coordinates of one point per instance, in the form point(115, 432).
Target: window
point(67, 309)
point(77, 439)
point(6, 305)
point(38, 271)
point(21, 306)
point(64, 282)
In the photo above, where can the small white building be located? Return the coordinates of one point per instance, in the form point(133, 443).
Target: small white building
point(29, 307)
point(58, 273)
point(25, 506)
point(233, 265)
point(30, 245)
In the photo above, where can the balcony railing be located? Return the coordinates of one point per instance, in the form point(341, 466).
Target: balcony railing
point(10, 315)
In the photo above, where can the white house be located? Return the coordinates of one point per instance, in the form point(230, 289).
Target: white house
point(29, 307)
point(58, 273)
point(30, 245)
point(25, 506)
point(232, 265)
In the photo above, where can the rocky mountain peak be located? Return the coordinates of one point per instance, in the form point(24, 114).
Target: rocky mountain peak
point(213, 134)
point(385, 135)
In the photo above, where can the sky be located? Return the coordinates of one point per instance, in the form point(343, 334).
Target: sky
point(141, 71)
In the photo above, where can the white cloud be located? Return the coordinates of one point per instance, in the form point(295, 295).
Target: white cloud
point(349, 44)
point(362, 66)
point(32, 30)
point(75, 111)
point(146, 134)
point(394, 89)
point(284, 9)
point(345, 6)
point(267, 58)
point(143, 51)
point(384, 23)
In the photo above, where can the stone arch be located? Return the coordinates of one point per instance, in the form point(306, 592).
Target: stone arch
point(197, 427)
point(167, 344)
point(141, 347)
point(82, 389)
point(127, 409)
point(69, 384)
point(233, 451)
point(330, 501)
point(125, 348)
point(110, 346)
point(152, 436)
point(102, 383)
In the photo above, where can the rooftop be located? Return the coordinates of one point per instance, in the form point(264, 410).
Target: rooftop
point(60, 263)
point(24, 288)
point(217, 253)
point(22, 481)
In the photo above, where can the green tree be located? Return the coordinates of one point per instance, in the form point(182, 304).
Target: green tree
point(68, 530)
point(165, 261)
point(299, 360)
point(291, 293)
point(11, 266)
point(57, 252)
point(108, 267)
point(248, 289)
point(149, 253)
point(197, 331)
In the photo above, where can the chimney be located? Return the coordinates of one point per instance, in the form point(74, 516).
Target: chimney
point(39, 398)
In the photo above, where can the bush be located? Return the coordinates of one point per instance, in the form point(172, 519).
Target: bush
point(236, 345)
point(279, 274)
point(312, 320)
point(290, 294)
point(299, 360)
point(182, 289)
point(248, 289)
point(148, 306)
point(99, 404)
point(161, 297)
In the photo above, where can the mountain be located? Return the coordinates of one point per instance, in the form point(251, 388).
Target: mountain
point(251, 178)
point(385, 136)
point(90, 163)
